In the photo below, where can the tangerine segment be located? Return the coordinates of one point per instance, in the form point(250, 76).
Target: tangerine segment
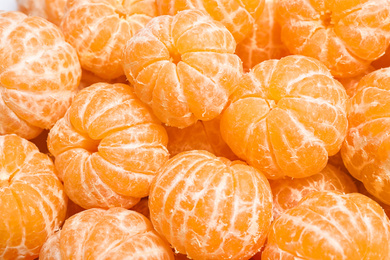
point(51, 248)
point(108, 147)
point(264, 42)
point(365, 151)
point(345, 35)
point(183, 67)
point(288, 192)
point(319, 227)
point(99, 30)
point(33, 201)
point(238, 16)
point(286, 117)
point(209, 207)
point(39, 74)
point(203, 135)
point(115, 233)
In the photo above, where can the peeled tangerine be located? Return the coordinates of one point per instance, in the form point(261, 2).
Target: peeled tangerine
point(32, 199)
point(39, 74)
point(286, 117)
point(115, 233)
point(366, 149)
point(330, 225)
point(287, 192)
point(237, 15)
point(99, 29)
point(108, 147)
point(183, 67)
point(345, 35)
point(209, 207)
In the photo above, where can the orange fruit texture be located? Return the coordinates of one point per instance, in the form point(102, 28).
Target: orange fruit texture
point(330, 225)
point(264, 42)
point(286, 117)
point(345, 35)
point(39, 74)
point(88, 78)
point(203, 135)
point(365, 151)
point(209, 207)
point(33, 201)
point(114, 233)
point(288, 192)
point(183, 67)
point(52, 10)
point(99, 29)
point(108, 147)
point(237, 16)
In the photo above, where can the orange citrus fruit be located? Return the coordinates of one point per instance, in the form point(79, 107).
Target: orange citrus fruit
point(114, 233)
point(39, 74)
point(287, 192)
point(345, 35)
point(264, 42)
point(183, 66)
point(286, 117)
point(32, 199)
point(203, 135)
point(366, 149)
point(238, 16)
point(99, 29)
point(52, 10)
point(330, 225)
point(211, 208)
point(364, 191)
point(108, 147)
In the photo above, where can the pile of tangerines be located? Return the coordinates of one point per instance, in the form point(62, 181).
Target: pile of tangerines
point(195, 129)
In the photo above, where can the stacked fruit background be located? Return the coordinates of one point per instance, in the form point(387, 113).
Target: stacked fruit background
point(195, 129)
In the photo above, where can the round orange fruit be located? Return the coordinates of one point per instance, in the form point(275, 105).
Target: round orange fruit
point(183, 67)
point(366, 149)
point(345, 35)
point(108, 147)
point(286, 117)
point(114, 233)
point(330, 225)
point(39, 74)
point(209, 207)
point(32, 199)
point(99, 29)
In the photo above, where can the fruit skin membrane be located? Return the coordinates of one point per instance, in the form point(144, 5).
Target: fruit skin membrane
point(108, 147)
point(366, 150)
point(39, 74)
point(32, 199)
point(115, 233)
point(286, 117)
point(209, 207)
point(330, 225)
point(183, 67)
